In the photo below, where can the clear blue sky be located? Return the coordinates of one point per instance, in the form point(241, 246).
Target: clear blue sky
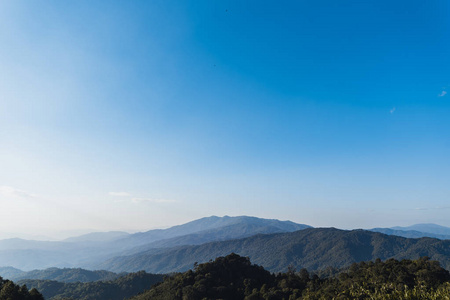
point(130, 115)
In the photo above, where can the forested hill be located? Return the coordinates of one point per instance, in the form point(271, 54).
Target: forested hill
point(11, 291)
point(234, 277)
point(57, 274)
point(313, 248)
point(121, 288)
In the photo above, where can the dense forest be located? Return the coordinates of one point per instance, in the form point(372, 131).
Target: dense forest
point(234, 277)
point(11, 291)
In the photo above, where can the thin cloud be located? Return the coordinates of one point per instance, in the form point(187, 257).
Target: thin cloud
point(8, 191)
point(119, 194)
point(392, 110)
point(152, 200)
point(442, 94)
point(432, 208)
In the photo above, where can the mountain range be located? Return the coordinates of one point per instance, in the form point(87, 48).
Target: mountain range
point(65, 275)
point(417, 231)
point(312, 248)
point(273, 244)
point(84, 251)
point(120, 288)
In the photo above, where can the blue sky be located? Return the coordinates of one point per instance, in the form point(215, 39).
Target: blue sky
point(134, 115)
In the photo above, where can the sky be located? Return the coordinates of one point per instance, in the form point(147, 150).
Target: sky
point(133, 115)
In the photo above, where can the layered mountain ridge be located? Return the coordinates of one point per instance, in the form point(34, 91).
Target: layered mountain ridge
point(84, 252)
point(312, 248)
point(272, 243)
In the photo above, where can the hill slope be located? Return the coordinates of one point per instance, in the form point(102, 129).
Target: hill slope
point(427, 227)
point(314, 249)
point(234, 277)
point(240, 228)
point(88, 250)
point(10, 272)
point(62, 275)
point(211, 229)
point(118, 289)
point(414, 234)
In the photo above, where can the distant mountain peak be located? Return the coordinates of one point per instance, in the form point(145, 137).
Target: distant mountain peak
point(417, 231)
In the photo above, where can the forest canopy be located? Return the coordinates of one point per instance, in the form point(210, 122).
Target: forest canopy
point(234, 277)
point(11, 291)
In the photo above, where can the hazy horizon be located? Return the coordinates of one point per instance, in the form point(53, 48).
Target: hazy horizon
point(128, 116)
point(62, 235)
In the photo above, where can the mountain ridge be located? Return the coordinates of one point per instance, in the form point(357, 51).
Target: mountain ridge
point(66, 275)
point(312, 248)
point(83, 252)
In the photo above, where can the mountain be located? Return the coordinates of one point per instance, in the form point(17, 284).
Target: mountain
point(30, 259)
point(312, 248)
point(231, 228)
point(410, 233)
point(62, 275)
point(428, 228)
point(234, 277)
point(225, 278)
point(236, 227)
point(417, 231)
point(10, 272)
point(87, 251)
point(121, 288)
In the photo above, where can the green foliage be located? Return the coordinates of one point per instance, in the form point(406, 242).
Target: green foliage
point(234, 277)
point(118, 289)
point(384, 280)
point(11, 291)
point(229, 277)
